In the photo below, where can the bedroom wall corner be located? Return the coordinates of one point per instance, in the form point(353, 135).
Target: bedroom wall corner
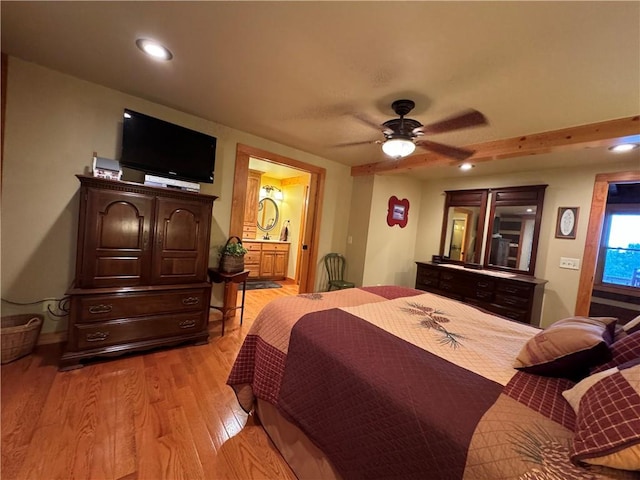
point(357, 235)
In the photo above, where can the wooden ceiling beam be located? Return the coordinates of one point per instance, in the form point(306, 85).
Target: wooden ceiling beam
point(585, 136)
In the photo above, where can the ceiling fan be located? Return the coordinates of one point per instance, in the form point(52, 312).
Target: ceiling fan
point(402, 135)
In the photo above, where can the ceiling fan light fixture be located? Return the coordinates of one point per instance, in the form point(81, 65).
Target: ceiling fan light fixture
point(398, 147)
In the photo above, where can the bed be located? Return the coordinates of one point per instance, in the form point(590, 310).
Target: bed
point(392, 382)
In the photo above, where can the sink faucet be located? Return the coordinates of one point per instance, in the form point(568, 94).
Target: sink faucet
point(266, 236)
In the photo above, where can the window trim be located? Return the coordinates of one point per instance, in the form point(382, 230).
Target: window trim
point(611, 210)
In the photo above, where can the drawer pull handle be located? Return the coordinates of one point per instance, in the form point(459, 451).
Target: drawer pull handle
point(481, 294)
point(447, 276)
point(97, 336)
point(483, 284)
point(511, 301)
point(190, 301)
point(510, 290)
point(187, 324)
point(100, 308)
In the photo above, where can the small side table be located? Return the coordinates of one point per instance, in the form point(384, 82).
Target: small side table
point(216, 276)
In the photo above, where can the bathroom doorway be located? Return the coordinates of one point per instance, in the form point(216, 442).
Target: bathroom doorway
point(307, 252)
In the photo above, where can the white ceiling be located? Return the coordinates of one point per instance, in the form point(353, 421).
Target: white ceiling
point(298, 72)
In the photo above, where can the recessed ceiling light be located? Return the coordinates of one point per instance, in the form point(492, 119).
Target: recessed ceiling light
point(466, 166)
point(154, 49)
point(624, 147)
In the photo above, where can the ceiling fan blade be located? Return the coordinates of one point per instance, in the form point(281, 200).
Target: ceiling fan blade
point(366, 120)
point(468, 118)
point(353, 144)
point(447, 150)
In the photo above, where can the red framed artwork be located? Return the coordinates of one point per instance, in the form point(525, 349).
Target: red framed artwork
point(398, 212)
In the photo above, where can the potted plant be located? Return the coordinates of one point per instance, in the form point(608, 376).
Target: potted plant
point(232, 256)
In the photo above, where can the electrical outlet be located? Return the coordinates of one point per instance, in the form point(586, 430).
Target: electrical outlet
point(570, 263)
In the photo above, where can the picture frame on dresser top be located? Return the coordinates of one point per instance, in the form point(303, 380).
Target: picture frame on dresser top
point(141, 270)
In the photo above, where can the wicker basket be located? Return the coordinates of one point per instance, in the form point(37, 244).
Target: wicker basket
point(231, 263)
point(19, 334)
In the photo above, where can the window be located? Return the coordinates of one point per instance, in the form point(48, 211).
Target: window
point(619, 260)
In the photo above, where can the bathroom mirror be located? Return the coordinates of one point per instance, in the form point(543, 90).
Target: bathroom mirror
point(463, 225)
point(513, 229)
point(268, 214)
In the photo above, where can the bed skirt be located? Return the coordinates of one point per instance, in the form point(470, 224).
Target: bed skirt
point(304, 458)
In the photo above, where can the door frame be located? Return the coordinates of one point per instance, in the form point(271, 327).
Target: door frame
point(594, 232)
point(314, 205)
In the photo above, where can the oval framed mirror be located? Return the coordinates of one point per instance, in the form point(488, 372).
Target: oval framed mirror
point(268, 214)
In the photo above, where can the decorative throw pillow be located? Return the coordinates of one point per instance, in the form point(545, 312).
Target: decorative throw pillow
point(622, 351)
point(568, 348)
point(632, 325)
point(607, 406)
point(619, 332)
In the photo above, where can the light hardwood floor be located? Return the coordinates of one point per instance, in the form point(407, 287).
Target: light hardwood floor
point(167, 414)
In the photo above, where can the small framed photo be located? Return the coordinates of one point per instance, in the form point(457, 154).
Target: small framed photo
point(398, 212)
point(567, 222)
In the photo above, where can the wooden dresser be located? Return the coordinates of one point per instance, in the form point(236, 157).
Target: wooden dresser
point(518, 297)
point(141, 270)
point(266, 259)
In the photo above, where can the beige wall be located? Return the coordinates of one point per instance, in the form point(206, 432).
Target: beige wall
point(358, 234)
point(389, 251)
point(566, 188)
point(53, 124)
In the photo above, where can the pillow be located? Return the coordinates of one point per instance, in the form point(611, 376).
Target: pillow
point(632, 325)
point(623, 350)
point(568, 348)
point(619, 332)
point(607, 406)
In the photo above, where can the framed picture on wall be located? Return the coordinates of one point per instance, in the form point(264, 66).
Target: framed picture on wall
point(567, 222)
point(398, 212)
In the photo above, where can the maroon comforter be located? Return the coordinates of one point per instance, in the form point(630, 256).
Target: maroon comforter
point(436, 398)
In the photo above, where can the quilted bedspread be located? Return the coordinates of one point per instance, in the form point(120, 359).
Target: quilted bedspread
point(391, 382)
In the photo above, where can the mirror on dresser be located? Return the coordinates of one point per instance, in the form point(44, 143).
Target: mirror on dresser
point(513, 228)
point(463, 225)
point(497, 228)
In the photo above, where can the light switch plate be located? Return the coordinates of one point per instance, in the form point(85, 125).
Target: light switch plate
point(570, 263)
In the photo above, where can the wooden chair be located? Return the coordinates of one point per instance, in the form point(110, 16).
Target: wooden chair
point(335, 265)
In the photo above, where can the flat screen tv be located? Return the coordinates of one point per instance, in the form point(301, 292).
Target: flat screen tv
point(161, 148)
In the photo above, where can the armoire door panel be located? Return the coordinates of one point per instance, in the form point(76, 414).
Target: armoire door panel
point(120, 226)
point(182, 237)
point(181, 231)
point(116, 239)
point(111, 267)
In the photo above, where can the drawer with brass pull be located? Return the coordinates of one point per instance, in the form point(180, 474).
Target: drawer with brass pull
point(518, 297)
point(95, 308)
point(112, 332)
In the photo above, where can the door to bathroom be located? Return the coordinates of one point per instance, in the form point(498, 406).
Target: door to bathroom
point(307, 240)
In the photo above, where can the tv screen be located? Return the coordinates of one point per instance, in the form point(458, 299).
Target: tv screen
point(167, 150)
